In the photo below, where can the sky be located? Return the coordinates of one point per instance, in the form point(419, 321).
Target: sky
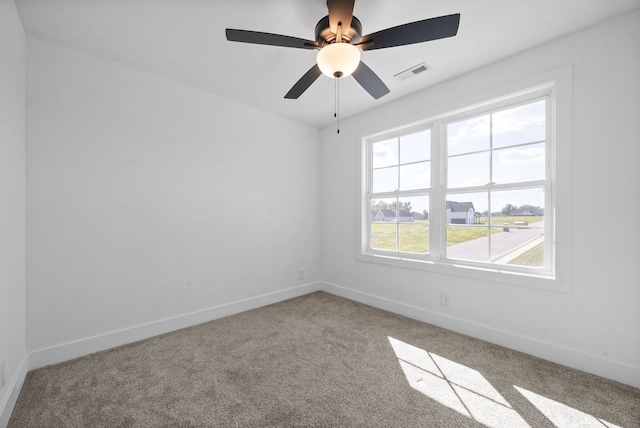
point(516, 135)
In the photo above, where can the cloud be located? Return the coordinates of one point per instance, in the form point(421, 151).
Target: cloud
point(522, 156)
point(384, 155)
point(469, 133)
point(528, 117)
point(506, 124)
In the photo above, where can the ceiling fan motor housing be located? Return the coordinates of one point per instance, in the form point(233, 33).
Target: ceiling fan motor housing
point(324, 35)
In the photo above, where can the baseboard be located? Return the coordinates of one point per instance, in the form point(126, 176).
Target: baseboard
point(595, 364)
point(78, 348)
point(590, 363)
point(14, 387)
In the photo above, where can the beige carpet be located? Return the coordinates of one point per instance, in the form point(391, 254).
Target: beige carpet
point(322, 361)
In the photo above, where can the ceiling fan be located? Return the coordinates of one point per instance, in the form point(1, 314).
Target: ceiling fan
point(339, 42)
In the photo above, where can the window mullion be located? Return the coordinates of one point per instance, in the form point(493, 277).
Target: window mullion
point(489, 230)
point(436, 198)
point(549, 185)
point(397, 192)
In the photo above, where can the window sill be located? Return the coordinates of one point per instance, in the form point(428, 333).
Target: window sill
point(541, 280)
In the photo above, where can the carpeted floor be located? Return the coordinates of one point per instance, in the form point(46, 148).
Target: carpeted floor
point(322, 361)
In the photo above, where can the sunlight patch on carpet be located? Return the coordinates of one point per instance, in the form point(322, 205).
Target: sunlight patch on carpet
point(561, 415)
point(456, 386)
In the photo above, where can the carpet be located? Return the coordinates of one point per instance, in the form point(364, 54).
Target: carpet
point(318, 361)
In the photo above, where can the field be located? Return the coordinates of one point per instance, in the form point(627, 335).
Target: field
point(414, 236)
point(533, 257)
point(499, 221)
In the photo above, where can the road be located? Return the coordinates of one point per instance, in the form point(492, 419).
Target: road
point(505, 245)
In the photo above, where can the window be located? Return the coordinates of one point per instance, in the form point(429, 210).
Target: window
point(468, 189)
point(400, 181)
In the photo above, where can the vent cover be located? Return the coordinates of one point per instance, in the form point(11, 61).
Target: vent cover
point(416, 69)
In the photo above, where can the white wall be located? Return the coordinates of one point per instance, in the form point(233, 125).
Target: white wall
point(12, 205)
point(150, 200)
point(595, 327)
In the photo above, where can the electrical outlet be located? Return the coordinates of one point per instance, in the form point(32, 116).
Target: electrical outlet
point(301, 274)
point(2, 376)
point(444, 299)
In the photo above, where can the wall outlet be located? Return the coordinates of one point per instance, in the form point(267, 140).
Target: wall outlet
point(444, 299)
point(2, 376)
point(301, 274)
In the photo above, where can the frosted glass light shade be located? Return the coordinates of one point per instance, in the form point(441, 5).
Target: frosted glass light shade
point(338, 59)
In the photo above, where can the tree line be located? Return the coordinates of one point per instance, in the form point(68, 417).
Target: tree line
point(406, 207)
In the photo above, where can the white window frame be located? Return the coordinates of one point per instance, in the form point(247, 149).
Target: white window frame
point(556, 87)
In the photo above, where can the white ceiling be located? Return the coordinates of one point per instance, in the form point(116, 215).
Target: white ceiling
point(184, 40)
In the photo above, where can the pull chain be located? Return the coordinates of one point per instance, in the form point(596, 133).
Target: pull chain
point(336, 101)
point(335, 97)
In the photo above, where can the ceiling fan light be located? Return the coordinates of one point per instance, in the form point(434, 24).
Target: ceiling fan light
point(338, 59)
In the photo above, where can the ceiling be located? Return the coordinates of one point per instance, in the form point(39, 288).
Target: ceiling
point(184, 40)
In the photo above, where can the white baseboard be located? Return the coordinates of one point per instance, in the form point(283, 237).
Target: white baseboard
point(14, 387)
point(78, 348)
point(595, 364)
point(590, 363)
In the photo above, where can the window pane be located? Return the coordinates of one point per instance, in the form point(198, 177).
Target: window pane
point(383, 224)
point(414, 237)
point(383, 236)
point(469, 135)
point(385, 153)
point(531, 255)
point(468, 243)
point(467, 229)
point(468, 170)
point(415, 176)
point(414, 224)
point(385, 180)
point(524, 207)
point(524, 124)
point(518, 245)
point(519, 215)
point(519, 164)
point(466, 208)
point(417, 206)
point(383, 210)
point(415, 147)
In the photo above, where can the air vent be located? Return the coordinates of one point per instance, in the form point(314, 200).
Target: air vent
point(416, 69)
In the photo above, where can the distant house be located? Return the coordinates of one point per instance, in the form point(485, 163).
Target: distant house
point(390, 215)
point(461, 213)
point(383, 215)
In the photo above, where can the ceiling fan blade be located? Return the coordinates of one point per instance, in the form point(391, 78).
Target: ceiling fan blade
point(340, 11)
point(370, 81)
point(304, 83)
point(414, 32)
point(259, 38)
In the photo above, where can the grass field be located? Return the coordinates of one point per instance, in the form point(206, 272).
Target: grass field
point(533, 257)
point(414, 236)
point(499, 221)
